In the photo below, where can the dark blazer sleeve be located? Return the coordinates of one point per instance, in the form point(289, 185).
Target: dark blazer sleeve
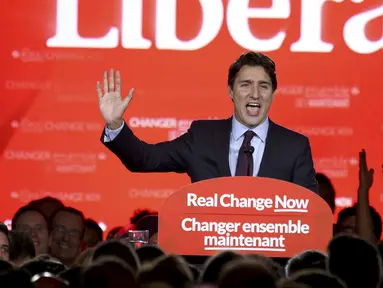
point(139, 156)
point(304, 172)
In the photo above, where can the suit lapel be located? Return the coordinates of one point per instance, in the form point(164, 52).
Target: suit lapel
point(271, 146)
point(221, 146)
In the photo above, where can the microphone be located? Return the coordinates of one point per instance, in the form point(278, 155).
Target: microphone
point(249, 150)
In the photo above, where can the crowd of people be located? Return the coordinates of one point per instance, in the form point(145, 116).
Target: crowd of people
point(52, 245)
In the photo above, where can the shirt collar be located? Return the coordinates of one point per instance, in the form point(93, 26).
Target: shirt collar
point(238, 129)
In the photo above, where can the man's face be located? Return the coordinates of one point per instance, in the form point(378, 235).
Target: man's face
point(91, 238)
point(252, 95)
point(4, 247)
point(348, 225)
point(66, 236)
point(34, 224)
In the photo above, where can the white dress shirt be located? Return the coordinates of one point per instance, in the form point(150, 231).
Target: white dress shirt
point(111, 134)
point(258, 142)
point(236, 138)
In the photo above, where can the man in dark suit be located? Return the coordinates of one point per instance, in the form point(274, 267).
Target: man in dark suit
point(247, 144)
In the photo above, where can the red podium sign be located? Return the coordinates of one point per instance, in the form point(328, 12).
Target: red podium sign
point(244, 214)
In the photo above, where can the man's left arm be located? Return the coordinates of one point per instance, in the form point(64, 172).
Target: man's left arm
point(304, 172)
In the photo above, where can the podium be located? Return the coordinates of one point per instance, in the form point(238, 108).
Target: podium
point(244, 214)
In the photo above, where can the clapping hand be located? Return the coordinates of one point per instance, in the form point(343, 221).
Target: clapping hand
point(112, 106)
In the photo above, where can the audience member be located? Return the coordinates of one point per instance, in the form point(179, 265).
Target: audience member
point(67, 232)
point(93, 234)
point(310, 259)
point(169, 269)
point(109, 272)
point(115, 248)
point(139, 214)
point(354, 261)
point(246, 273)
point(214, 265)
point(346, 223)
point(150, 223)
point(148, 253)
point(326, 190)
point(30, 220)
point(274, 267)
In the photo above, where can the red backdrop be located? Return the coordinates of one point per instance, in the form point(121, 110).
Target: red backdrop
point(328, 55)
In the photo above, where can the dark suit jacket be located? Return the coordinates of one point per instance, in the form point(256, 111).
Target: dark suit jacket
point(203, 153)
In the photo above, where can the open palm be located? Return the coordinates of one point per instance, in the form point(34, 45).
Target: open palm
point(112, 106)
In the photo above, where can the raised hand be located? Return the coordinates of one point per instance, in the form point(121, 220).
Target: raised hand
point(366, 176)
point(112, 106)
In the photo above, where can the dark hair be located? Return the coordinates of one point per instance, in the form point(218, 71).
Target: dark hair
point(214, 265)
point(91, 224)
point(46, 200)
point(117, 249)
point(20, 246)
point(108, 272)
point(309, 259)
point(324, 181)
point(5, 265)
point(275, 268)
point(246, 273)
point(16, 277)
point(4, 229)
point(139, 214)
point(169, 269)
point(253, 59)
point(24, 209)
point(351, 211)
point(148, 253)
point(318, 278)
point(68, 210)
point(150, 223)
point(322, 178)
point(354, 261)
point(112, 233)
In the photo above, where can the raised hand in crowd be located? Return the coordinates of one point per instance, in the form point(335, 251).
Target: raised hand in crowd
point(364, 224)
point(366, 176)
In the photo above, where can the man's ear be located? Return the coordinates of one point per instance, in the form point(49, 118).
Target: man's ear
point(230, 92)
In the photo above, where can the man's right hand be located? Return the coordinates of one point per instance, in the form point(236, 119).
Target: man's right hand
point(112, 106)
